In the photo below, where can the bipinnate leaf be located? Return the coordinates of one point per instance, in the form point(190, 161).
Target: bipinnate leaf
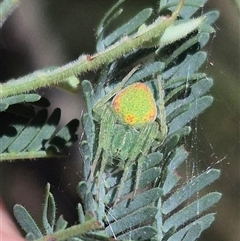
point(27, 134)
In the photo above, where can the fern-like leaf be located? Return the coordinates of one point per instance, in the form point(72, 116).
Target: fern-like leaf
point(28, 134)
point(185, 98)
point(164, 207)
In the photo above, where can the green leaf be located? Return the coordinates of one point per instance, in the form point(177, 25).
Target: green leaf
point(61, 223)
point(194, 110)
point(26, 221)
point(27, 135)
point(142, 233)
point(82, 189)
point(189, 8)
point(179, 31)
point(71, 84)
point(46, 131)
point(191, 64)
point(210, 18)
point(146, 72)
point(90, 132)
point(89, 203)
point(87, 118)
point(149, 175)
point(81, 216)
point(205, 221)
point(129, 27)
point(171, 179)
point(142, 200)
point(110, 15)
point(75, 239)
point(63, 138)
point(193, 233)
point(192, 187)
point(30, 237)
point(131, 220)
point(6, 102)
point(197, 90)
point(49, 211)
point(190, 211)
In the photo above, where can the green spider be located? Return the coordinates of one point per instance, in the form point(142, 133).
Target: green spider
point(129, 127)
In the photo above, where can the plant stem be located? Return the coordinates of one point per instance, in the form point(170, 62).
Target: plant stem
point(87, 63)
point(73, 231)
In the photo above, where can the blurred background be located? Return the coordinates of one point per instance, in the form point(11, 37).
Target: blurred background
point(45, 33)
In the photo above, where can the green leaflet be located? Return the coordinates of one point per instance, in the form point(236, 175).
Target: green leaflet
point(194, 110)
point(33, 135)
point(150, 172)
point(61, 223)
point(189, 212)
point(5, 103)
point(186, 191)
point(123, 224)
point(142, 200)
point(174, 223)
point(49, 212)
point(127, 29)
point(142, 233)
point(204, 222)
point(176, 32)
point(26, 221)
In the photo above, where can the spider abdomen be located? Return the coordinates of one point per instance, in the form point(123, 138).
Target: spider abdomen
point(135, 105)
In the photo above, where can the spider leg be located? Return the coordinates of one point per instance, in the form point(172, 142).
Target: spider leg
point(104, 161)
point(141, 147)
point(105, 136)
point(151, 136)
point(162, 113)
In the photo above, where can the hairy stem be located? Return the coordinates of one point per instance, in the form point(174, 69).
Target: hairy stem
point(71, 232)
point(86, 63)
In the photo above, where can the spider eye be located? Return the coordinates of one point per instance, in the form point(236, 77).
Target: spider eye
point(135, 105)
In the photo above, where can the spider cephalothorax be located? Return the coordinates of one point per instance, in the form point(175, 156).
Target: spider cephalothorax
point(128, 128)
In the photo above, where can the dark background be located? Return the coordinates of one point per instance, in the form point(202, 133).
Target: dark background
point(45, 33)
